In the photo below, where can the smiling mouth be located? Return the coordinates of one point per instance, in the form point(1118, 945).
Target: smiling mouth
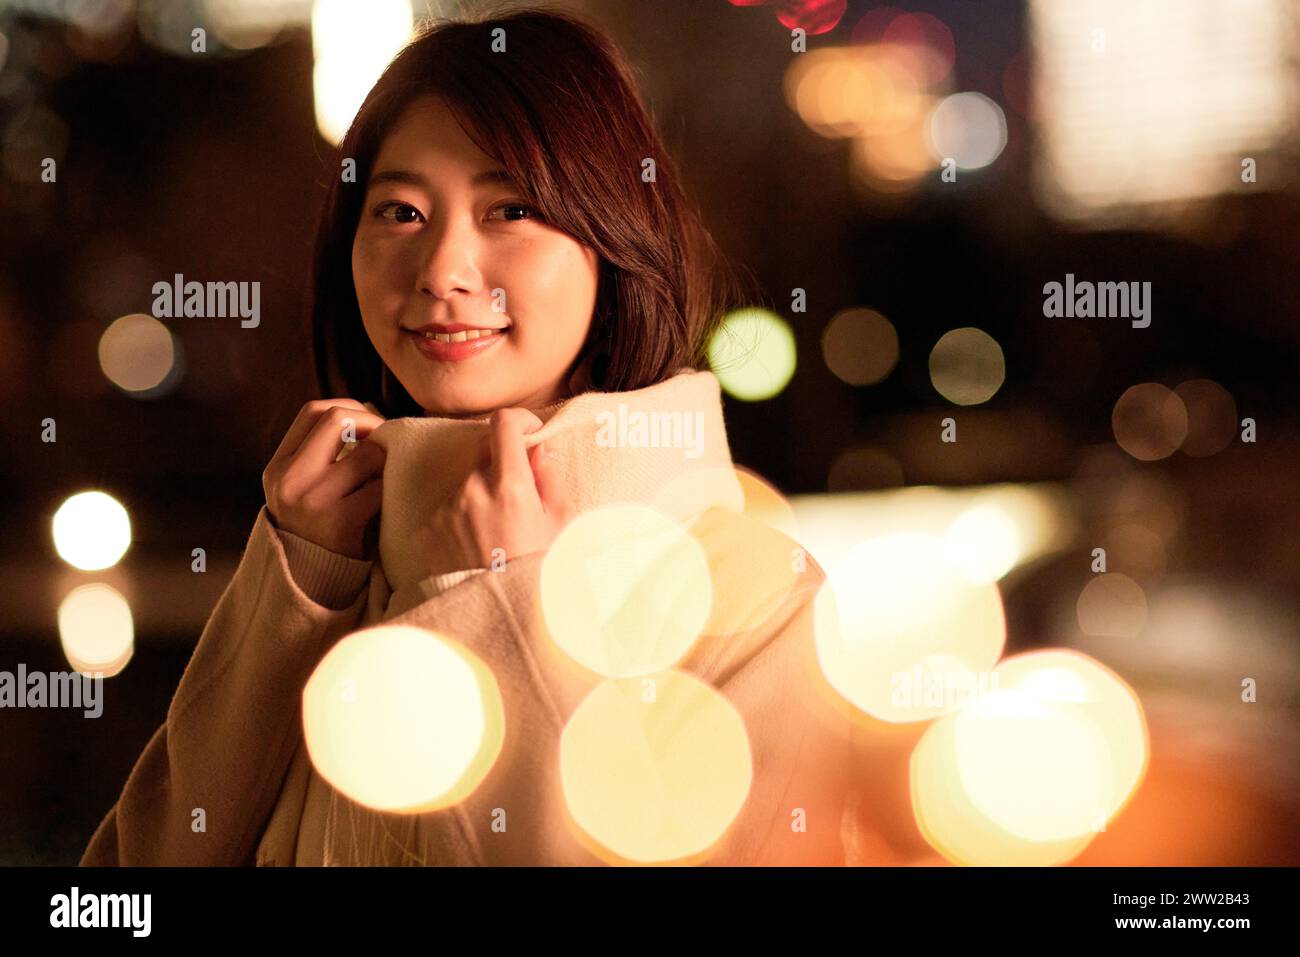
point(463, 336)
point(455, 346)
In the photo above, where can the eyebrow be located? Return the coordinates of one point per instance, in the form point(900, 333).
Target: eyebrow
point(493, 176)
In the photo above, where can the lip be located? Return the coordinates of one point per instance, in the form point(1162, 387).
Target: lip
point(453, 351)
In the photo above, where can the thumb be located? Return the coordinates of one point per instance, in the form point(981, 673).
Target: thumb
point(550, 483)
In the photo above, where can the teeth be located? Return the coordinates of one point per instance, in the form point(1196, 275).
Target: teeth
point(461, 336)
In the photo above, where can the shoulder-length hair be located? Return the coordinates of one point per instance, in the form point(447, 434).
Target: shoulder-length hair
point(559, 110)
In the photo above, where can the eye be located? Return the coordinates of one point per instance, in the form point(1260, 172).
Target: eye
point(398, 212)
point(511, 212)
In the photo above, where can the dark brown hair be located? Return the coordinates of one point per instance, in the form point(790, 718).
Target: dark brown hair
point(559, 110)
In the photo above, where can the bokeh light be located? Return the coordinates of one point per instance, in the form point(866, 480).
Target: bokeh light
point(892, 160)
point(101, 31)
point(91, 530)
point(691, 491)
point(954, 826)
point(137, 353)
point(880, 91)
point(929, 37)
point(812, 16)
point(871, 26)
point(752, 569)
point(765, 503)
point(1071, 677)
point(984, 543)
point(625, 590)
point(735, 488)
point(655, 769)
point(1137, 547)
point(968, 128)
point(248, 24)
point(96, 629)
point(401, 719)
point(904, 100)
point(1031, 772)
point(1149, 421)
point(1211, 417)
point(1121, 89)
point(1112, 605)
point(831, 526)
point(1037, 769)
point(967, 366)
point(752, 354)
point(352, 43)
point(169, 25)
point(896, 604)
point(860, 346)
point(836, 92)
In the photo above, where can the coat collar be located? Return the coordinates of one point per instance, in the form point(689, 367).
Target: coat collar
point(664, 445)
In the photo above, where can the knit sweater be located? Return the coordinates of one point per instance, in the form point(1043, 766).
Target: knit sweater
point(227, 778)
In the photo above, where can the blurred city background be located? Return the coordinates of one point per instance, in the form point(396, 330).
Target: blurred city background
point(903, 191)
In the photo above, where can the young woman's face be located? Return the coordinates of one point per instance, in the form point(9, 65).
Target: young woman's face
point(446, 239)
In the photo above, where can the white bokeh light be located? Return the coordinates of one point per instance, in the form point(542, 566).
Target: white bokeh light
point(969, 129)
point(352, 44)
point(96, 629)
point(91, 531)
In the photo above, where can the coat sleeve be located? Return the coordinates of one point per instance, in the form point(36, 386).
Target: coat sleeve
point(205, 785)
point(416, 593)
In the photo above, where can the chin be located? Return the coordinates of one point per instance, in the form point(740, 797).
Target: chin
point(458, 404)
point(456, 409)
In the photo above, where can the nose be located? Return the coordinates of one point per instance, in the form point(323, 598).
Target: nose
point(448, 265)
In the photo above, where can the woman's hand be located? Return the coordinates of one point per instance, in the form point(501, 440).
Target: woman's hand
point(513, 500)
point(311, 495)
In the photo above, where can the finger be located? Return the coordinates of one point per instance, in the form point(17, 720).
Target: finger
point(483, 461)
point(550, 487)
point(509, 457)
point(362, 504)
point(321, 447)
point(307, 417)
point(349, 474)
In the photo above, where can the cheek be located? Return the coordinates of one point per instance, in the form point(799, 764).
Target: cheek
point(378, 272)
point(556, 290)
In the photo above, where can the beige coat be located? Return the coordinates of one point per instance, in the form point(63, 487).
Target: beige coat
point(232, 755)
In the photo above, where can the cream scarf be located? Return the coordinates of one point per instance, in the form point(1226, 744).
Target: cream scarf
point(610, 448)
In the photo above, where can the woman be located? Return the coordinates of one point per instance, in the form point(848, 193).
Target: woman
point(506, 272)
